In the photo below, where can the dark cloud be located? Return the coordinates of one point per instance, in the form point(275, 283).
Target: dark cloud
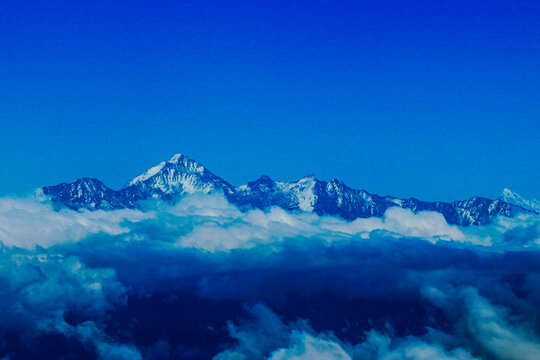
point(202, 279)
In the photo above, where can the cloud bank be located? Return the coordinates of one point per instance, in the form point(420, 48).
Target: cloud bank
point(203, 280)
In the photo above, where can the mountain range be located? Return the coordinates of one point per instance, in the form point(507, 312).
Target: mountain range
point(181, 175)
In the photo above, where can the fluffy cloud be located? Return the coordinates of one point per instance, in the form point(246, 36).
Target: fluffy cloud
point(267, 337)
point(482, 328)
point(490, 327)
point(28, 222)
point(226, 228)
point(42, 290)
point(222, 227)
point(175, 282)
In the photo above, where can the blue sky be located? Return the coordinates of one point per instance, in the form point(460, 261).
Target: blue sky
point(437, 100)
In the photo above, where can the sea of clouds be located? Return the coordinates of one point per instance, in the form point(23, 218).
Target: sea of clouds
point(203, 280)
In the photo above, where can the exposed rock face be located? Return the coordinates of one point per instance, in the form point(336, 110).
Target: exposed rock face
point(172, 179)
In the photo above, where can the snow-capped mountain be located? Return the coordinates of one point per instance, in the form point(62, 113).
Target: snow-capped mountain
point(170, 180)
point(335, 198)
point(514, 198)
point(85, 193)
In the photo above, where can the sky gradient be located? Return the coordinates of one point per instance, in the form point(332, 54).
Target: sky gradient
point(436, 100)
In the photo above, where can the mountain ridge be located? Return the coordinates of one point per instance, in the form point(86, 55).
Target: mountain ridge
point(514, 198)
point(170, 180)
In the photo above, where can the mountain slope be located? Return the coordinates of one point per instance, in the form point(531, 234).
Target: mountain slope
point(170, 180)
point(335, 198)
point(514, 198)
point(85, 193)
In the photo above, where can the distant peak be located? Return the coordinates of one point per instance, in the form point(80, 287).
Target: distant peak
point(508, 194)
point(181, 163)
point(85, 180)
point(180, 175)
point(177, 158)
point(265, 178)
point(511, 197)
point(186, 161)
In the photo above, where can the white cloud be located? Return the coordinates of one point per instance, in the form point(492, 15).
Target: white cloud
point(27, 222)
point(489, 325)
point(219, 226)
point(298, 341)
point(53, 264)
point(226, 228)
point(306, 347)
point(39, 289)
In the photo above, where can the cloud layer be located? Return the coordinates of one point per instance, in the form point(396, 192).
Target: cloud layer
point(204, 280)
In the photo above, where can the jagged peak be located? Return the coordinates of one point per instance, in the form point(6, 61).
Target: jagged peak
point(476, 198)
point(147, 174)
point(263, 179)
point(309, 177)
point(82, 181)
point(514, 198)
point(177, 160)
point(337, 182)
point(88, 180)
point(180, 174)
point(180, 160)
point(508, 194)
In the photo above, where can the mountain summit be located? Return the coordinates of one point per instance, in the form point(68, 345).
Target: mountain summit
point(171, 180)
point(511, 197)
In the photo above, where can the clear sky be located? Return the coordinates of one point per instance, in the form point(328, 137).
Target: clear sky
point(432, 99)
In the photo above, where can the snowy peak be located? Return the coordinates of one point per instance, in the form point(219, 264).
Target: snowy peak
point(187, 164)
point(85, 193)
point(264, 180)
point(147, 174)
point(511, 197)
point(171, 180)
point(80, 187)
point(178, 161)
point(177, 157)
point(308, 178)
point(174, 178)
point(265, 192)
point(304, 192)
